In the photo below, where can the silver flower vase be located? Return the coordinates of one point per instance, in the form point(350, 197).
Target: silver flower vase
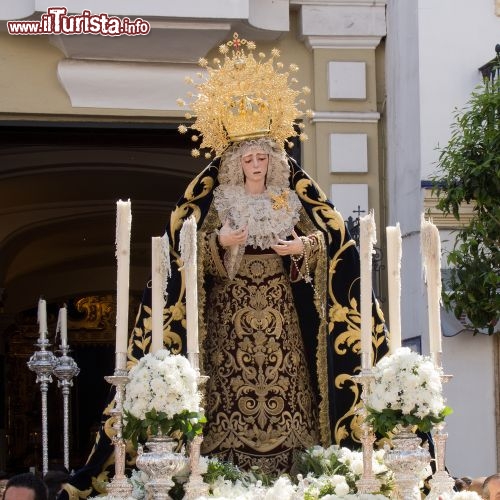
point(407, 459)
point(161, 463)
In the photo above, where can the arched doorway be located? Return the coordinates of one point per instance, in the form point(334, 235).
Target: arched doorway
point(59, 183)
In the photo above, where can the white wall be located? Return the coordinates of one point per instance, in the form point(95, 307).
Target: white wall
point(470, 449)
point(456, 37)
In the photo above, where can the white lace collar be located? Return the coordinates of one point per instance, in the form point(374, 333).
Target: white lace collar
point(269, 216)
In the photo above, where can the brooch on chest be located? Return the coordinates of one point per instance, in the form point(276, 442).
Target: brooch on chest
point(280, 201)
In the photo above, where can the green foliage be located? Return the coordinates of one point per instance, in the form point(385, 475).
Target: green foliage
point(217, 468)
point(334, 462)
point(188, 423)
point(385, 421)
point(307, 463)
point(327, 489)
point(468, 172)
point(256, 474)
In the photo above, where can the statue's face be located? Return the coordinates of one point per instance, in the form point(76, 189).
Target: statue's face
point(254, 164)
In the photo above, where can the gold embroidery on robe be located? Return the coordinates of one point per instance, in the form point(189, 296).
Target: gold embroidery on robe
point(260, 404)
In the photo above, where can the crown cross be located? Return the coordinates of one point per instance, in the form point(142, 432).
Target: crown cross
point(236, 41)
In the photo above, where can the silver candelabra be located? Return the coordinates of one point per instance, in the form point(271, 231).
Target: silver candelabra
point(42, 362)
point(368, 483)
point(441, 482)
point(65, 369)
point(196, 487)
point(119, 486)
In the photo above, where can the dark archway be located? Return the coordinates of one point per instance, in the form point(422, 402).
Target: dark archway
point(59, 183)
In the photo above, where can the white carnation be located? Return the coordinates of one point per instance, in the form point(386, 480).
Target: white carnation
point(408, 382)
point(164, 382)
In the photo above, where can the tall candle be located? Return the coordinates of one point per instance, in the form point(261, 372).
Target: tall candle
point(393, 234)
point(189, 257)
point(431, 253)
point(366, 242)
point(160, 272)
point(42, 319)
point(62, 326)
point(123, 228)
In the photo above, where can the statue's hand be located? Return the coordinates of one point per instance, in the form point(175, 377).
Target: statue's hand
point(290, 247)
point(230, 237)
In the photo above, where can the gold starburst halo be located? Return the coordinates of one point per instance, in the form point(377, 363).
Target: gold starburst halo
point(242, 98)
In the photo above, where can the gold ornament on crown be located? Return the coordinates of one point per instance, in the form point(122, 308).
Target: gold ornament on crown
point(243, 97)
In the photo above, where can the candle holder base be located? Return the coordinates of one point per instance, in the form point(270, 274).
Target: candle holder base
point(368, 483)
point(120, 488)
point(441, 484)
point(195, 487)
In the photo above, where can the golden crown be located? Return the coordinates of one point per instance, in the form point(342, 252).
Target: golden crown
point(243, 98)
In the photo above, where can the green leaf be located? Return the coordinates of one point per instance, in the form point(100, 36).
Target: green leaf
point(468, 171)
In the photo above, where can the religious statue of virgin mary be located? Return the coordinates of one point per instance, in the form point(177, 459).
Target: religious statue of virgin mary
point(278, 278)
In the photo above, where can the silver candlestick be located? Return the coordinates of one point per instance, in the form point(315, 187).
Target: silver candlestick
point(196, 487)
point(441, 482)
point(368, 483)
point(65, 369)
point(42, 362)
point(119, 486)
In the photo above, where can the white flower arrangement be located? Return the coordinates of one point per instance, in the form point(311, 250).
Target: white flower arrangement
point(335, 471)
point(161, 396)
point(328, 473)
point(406, 390)
point(284, 489)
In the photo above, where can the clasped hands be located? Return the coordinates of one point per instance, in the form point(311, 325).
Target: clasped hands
point(230, 237)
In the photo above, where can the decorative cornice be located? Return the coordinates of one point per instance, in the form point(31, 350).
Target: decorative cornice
point(123, 85)
point(183, 40)
point(345, 116)
point(342, 42)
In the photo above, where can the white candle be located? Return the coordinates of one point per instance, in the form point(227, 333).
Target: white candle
point(393, 234)
point(366, 242)
point(160, 271)
point(42, 319)
point(62, 325)
point(189, 257)
point(431, 253)
point(123, 228)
